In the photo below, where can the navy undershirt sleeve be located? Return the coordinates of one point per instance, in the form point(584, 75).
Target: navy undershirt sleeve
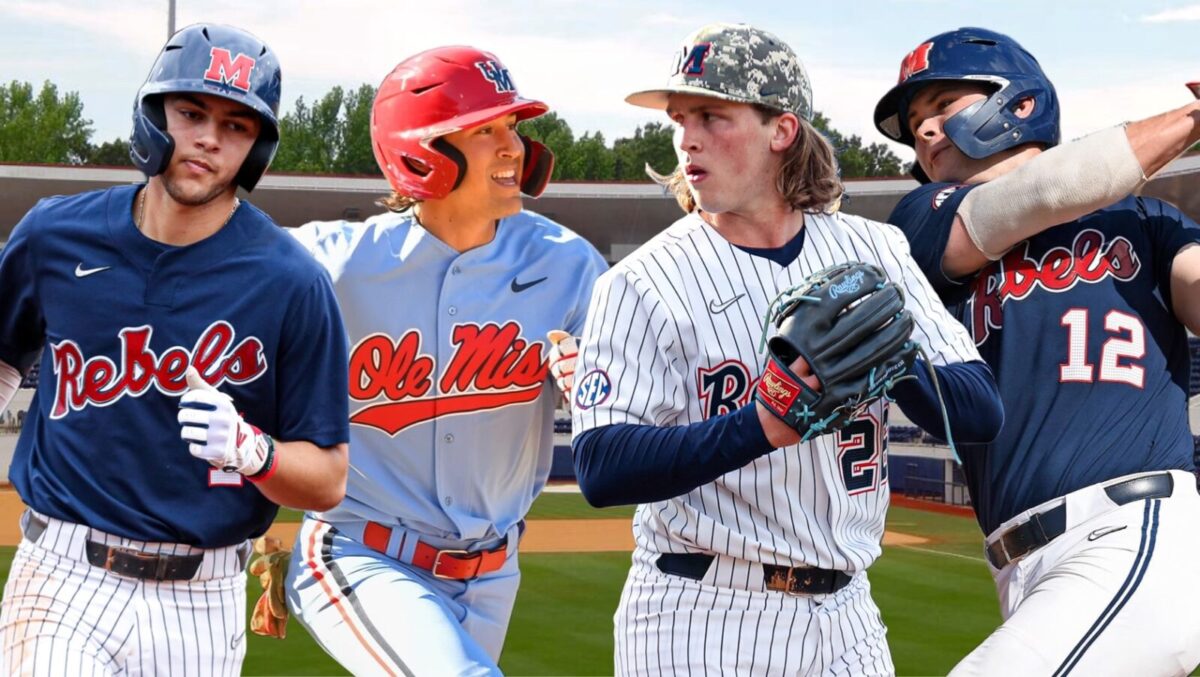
point(971, 396)
point(627, 464)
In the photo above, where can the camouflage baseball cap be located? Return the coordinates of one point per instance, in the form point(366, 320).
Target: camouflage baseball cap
point(735, 62)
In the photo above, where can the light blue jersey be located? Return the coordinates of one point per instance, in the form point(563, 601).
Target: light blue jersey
point(451, 407)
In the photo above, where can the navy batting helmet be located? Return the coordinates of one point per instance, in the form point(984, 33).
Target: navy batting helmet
point(986, 127)
point(208, 59)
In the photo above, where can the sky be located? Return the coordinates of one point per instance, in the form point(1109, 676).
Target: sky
point(1110, 60)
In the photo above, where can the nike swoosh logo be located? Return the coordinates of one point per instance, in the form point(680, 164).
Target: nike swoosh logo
point(715, 307)
point(517, 287)
point(237, 640)
point(80, 271)
point(1102, 532)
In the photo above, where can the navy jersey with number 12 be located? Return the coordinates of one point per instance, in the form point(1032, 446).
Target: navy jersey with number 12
point(1076, 323)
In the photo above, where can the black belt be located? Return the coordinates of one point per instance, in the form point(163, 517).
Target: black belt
point(794, 580)
point(128, 562)
point(132, 563)
point(1046, 526)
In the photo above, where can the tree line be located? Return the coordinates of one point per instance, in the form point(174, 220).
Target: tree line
point(332, 135)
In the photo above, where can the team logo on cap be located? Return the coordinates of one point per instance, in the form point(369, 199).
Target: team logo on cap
point(915, 62)
point(690, 61)
point(496, 74)
point(225, 69)
point(592, 389)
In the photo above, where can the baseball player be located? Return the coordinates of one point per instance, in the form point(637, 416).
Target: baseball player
point(448, 299)
point(162, 311)
point(751, 546)
point(1086, 497)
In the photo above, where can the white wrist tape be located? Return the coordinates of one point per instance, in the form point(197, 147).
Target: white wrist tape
point(1058, 186)
point(10, 380)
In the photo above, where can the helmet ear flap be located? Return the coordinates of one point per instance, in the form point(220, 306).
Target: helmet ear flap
point(537, 167)
point(455, 155)
point(260, 156)
point(150, 146)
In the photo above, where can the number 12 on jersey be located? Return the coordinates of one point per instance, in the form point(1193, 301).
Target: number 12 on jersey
point(1127, 340)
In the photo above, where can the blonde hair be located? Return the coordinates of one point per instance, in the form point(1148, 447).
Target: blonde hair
point(397, 202)
point(808, 177)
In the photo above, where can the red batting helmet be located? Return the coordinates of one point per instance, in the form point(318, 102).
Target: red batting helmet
point(438, 92)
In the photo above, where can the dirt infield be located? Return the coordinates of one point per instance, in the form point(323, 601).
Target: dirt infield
point(557, 535)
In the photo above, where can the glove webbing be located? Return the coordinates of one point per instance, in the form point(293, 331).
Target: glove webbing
point(877, 389)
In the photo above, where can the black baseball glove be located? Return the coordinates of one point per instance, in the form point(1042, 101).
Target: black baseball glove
point(849, 323)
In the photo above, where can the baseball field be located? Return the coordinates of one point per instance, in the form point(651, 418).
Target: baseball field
point(931, 584)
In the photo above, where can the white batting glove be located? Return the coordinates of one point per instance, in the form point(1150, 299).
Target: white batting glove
point(563, 350)
point(217, 433)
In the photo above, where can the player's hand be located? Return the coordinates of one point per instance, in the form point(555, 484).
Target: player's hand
point(564, 348)
point(270, 615)
point(216, 432)
point(778, 433)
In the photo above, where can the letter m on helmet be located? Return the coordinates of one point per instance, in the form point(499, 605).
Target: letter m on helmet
point(224, 68)
point(497, 75)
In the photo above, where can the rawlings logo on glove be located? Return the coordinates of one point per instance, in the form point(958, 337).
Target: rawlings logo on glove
point(848, 323)
point(216, 432)
point(851, 284)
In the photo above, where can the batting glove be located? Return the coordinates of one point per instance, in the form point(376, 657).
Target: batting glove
point(564, 348)
point(270, 615)
point(216, 432)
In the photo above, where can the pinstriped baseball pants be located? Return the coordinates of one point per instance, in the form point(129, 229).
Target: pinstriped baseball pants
point(670, 625)
point(63, 616)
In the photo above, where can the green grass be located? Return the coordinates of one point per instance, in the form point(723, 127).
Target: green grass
point(937, 600)
point(937, 608)
point(563, 620)
point(289, 515)
point(573, 506)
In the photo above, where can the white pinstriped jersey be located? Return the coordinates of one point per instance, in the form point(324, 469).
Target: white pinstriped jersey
point(672, 338)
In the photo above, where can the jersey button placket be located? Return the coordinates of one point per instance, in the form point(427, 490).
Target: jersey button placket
point(447, 444)
point(452, 285)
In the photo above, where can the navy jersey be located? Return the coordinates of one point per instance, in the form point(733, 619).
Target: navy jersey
point(117, 318)
point(1076, 323)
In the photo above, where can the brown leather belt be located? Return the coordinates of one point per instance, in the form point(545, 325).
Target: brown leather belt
point(792, 580)
point(148, 566)
point(459, 565)
point(1043, 527)
point(128, 562)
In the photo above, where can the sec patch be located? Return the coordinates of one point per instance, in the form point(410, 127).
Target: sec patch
point(593, 389)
